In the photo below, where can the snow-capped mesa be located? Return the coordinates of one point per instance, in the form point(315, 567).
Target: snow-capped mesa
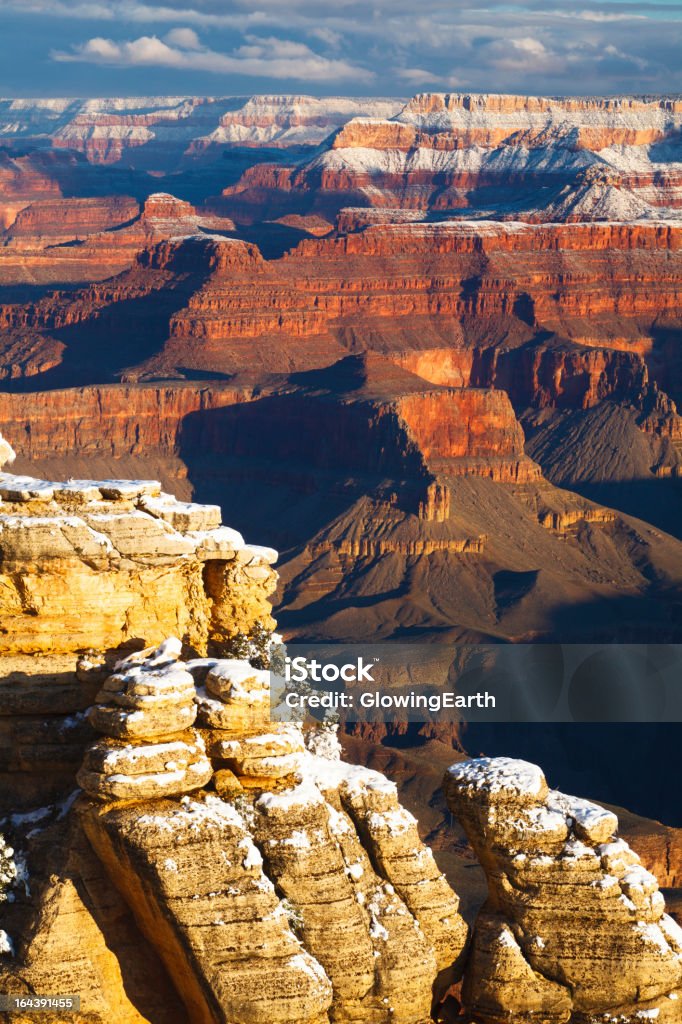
point(436, 152)
point(106, 129)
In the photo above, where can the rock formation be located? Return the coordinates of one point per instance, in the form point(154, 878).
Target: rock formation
point(573, 928)
point(377, 922)
point(375, 935)
point(60, 542)
point(299, 889)
point(254, 873)
point(169, 128)
point(56, 221)
point(74, 240)
point(457, 151)
point(99, 565)
point(576, 323)
point(146, 711)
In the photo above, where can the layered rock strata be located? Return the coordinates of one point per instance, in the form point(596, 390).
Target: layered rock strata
point(454, 151)
point(158, 131)
point(301, 891)
point(74, 240)
point(120, 540)
point(573, 928)
point(103, 565)
point(145, 711)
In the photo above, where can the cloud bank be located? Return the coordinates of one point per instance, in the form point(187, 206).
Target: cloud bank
point(181, 49)
point(384, 46)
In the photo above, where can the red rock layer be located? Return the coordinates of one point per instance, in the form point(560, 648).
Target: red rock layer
point(72, 218)
point(114, 420)
point(106, 235)
point(457, 304)
point(468, 432)
point(411, 290)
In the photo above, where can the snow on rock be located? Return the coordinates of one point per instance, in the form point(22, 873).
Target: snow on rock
point(304, 794)
point(148, 701)
point(220, 543)
point(25, 488)
point(252, 857)
point(394, 821)
point(500, 777)
point(234, 680)
point(182, 515)
point(194, 815)
point(329, 837)
point(116, 490)
point(588, 919)
point(7, 453)
point(591, 821)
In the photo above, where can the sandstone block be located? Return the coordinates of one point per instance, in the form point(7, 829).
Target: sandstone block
point(128, 490)
point(196, 882)
point(221, 544)
point(573, 927)
point(140, 537)
point(185, 517)
point(25, 488)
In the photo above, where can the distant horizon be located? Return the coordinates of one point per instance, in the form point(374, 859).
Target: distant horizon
point(371, 97)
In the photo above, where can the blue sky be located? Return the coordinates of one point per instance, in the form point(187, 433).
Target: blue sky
point(385, 47)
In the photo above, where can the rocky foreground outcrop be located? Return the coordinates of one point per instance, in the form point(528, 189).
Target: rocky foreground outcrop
point(574, 928)
point(177, 855)
point(256, 878)
point(290, 888)
point(103, 565)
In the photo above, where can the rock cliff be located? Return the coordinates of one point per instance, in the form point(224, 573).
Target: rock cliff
point(73, 240)
point(261, 877)
point(493, 153)
point(573, 927)
point(167, 129)
point(98, 565)
point(463, 286)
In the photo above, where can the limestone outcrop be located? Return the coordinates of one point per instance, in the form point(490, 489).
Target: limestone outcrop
point(108, 565)
point(79, 559)
point(574, 928)
point(145, 710)
point(293, 887)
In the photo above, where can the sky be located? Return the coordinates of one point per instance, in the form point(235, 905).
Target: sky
point(338, 47)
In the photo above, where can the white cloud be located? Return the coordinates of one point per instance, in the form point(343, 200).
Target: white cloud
point(326, 35)
point(533, 47)
point(102, 49)
point(416, 78)
point(262, 57)
point(273, 47)
point(600, 16)
point(137, 13)
point(183, 37)
point(417, 75)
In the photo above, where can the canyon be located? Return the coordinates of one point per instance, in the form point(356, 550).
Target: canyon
point(430, 350)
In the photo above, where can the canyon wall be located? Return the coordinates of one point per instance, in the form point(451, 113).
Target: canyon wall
point(508, 154)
